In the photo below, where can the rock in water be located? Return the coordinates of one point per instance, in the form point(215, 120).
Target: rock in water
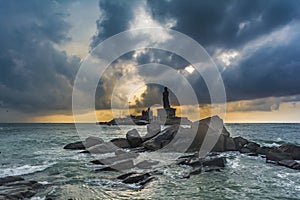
point(152, 130)
point(75, 146)
point(162, 139)
point(121, 142)
point(111, 160)
point(292, 149)
point(134, 139)
point(212, 128)
point(136, 178)
point(278, 156)
point(240, 142)
point(92, 141)
point(124, 165)
point(106, 147)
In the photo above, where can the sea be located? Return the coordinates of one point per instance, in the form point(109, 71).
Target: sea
point(35, 151)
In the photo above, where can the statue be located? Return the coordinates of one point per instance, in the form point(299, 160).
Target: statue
point(166, 98)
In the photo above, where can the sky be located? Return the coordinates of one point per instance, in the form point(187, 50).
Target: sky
point(254, 44)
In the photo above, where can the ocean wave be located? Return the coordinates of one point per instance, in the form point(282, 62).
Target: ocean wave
point(21, 170)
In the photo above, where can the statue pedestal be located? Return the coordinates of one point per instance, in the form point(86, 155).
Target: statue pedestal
point(166, 113)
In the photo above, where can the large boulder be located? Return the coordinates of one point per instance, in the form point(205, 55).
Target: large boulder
point(121, 142)
point(162, 139)
point(211, 128)
point(230, 144)
point(240, 142)
point(134, 139)
point(292, 149)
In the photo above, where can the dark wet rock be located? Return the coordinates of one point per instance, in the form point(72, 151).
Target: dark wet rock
point(134, 139)
point(217, 162)
point(162, 139)
point(292, 149)
point(212, 169)
point(92, 141)
point(263, 150)
point(10, 179)
point(136, 178)
point(230, 144)
point(146, 164)
point(212, 127)
point(252, 146)
point(123, 165)
point(287, 163)
point(278, 156)
point(111, 160)
point(152, 130)
point(240, 142)
point(196, 171)
point(81, 145)
point(220, 145)
point(121, 142)
point(15, 187)
point(106, 147)
point(123, 176)
point(75, 146)
point(245, 150)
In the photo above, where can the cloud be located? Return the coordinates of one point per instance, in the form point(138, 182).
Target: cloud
point(254, 43)
point(35, 76)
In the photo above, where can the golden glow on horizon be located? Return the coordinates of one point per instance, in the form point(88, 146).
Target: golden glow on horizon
point(287, 112)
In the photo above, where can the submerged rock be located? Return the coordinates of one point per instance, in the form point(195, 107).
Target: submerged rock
point(120, 166)
point(75, 146)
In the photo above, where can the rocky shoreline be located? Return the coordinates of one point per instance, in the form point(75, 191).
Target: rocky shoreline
point(175, 138)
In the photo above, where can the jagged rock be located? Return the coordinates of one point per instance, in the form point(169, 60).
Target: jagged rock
point(212, 127)
point(121, 142)
point(278, 156)
point(124, 165)
point(220, 145)
point(136, 178)
point(240, 142)
point(152, 130)
point(134, 139)
point(162, 139)
point(75, 146)
point(292, 149)
point(111, 160)
point(146, 164)
point(106, 147)
point(230, 144)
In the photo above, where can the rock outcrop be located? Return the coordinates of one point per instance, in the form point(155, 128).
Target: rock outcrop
point(16, 187)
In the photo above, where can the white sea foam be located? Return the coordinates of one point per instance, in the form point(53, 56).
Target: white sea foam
point(21, 170)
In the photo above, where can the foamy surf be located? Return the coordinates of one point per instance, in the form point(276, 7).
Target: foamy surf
point(21, 170)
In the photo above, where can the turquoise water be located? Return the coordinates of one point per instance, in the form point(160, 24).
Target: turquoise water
point(36, 152)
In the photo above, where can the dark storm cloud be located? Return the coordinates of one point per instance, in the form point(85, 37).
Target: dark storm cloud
point(268, 70)
point(34, 75)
